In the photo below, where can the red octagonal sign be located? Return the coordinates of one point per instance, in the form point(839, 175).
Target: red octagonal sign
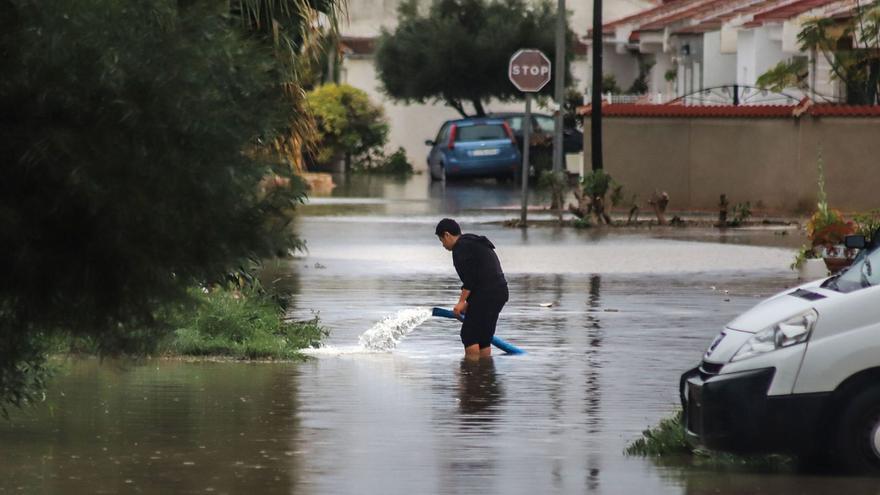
point(529, 70)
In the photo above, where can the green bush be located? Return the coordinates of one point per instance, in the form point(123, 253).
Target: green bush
point(350, 126)
point(395, 164)
point(581, 223)
point(239, 324)
point(597, 183)
point(741, 213)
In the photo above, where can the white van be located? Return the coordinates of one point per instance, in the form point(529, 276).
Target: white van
point(798, 373)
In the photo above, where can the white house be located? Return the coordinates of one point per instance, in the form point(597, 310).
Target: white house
point(701, 44)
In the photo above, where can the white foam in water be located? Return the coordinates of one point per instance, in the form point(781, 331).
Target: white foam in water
point(385, 335)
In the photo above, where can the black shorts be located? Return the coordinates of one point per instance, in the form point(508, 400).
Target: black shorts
point(482, 316)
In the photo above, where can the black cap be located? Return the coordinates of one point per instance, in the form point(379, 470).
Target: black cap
point(447, 225)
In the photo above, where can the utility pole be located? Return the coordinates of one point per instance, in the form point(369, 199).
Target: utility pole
point(561, 28)
point(596, 115)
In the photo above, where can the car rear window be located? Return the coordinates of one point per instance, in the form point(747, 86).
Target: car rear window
point(480, 132)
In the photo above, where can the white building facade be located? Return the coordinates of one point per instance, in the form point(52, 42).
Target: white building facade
point(701, 44)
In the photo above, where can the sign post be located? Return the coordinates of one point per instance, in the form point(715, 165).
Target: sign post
point(529, 71)
point(527, 128)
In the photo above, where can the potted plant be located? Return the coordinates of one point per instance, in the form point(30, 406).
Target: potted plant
point(826, 233)
point(826, 230)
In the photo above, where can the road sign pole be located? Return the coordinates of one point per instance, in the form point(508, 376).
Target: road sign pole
point(527, 129)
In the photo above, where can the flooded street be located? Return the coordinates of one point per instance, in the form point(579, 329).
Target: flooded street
point(609, 321)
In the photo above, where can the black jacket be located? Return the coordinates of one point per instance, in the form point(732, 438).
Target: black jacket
point(477, 265)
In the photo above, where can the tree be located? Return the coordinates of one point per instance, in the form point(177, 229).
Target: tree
point(609, 84)
point(134, 150)
point(459, 52)
point(640, 84)
point(851, 47)
point(791, 73)
point(349, 125)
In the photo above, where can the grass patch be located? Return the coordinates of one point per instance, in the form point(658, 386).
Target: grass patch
point(224, 322)
point(667, 439)
point(241, 325)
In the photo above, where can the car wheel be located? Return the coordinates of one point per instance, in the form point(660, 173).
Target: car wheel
point(857, 439)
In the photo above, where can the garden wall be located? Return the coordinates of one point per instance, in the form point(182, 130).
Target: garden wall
point(767, 157)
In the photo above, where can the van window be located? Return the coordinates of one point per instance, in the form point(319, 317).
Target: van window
point(480, 132)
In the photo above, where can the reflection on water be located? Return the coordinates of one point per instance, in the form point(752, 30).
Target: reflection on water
point(155, 427)
point(479, 391)
point(593, 326)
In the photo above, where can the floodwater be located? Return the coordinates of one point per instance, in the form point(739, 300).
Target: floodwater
point(609, 321)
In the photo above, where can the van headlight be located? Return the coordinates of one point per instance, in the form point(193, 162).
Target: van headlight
point(794, 330)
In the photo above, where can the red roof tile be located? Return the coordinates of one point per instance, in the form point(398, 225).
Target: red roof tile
point(709, 15)
point(730, 111)
point(672, 111)
point(714, 21)
point(608, 28)
point(700, 7)
point(791, 10)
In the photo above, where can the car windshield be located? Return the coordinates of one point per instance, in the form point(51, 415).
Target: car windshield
point(481, 132)
point(515, 123)
point(546, 124)
point(863, 272)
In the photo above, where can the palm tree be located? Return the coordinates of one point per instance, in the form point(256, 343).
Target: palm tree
point(297, 30)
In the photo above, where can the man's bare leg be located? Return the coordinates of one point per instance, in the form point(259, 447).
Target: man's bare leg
point(474, 351)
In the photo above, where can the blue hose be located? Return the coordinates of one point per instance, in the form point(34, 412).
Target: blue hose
point(498, 342)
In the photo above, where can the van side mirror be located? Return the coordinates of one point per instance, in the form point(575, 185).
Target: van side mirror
point(855, 242)
point(428, 142)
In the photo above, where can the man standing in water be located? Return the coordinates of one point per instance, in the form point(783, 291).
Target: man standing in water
point(483, 289)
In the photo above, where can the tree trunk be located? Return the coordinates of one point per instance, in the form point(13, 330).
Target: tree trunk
point(456, 104)
point(722, 211)
point(599, 210)
point(478, 107)
point(583, 208)
point(659, 201)
point(633, 214)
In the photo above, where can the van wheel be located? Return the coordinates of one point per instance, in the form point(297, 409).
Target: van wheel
point(857, 440)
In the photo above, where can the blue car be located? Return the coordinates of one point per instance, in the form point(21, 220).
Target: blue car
point(474, 147)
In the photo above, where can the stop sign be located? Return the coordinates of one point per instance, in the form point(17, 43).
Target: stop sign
point(529, 70)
